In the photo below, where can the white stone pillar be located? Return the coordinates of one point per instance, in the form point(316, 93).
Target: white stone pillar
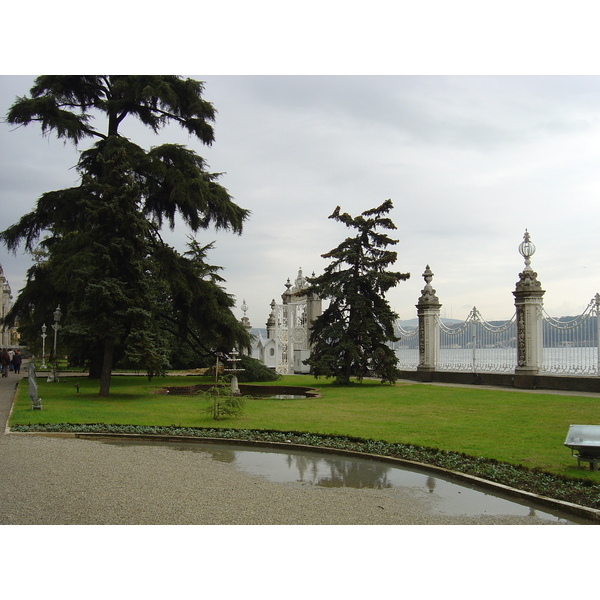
point(314, 309)
point(271, 322)
point(428, 311)
point(247, 326)
point(528, 303)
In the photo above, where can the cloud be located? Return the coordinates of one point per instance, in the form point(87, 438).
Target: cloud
point(469, 162)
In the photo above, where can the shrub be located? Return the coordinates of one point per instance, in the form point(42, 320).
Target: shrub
point(254, 370)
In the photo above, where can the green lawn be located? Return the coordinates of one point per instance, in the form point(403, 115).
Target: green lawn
point(516, 427)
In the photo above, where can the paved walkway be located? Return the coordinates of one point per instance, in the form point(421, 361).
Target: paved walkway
point(51, 480)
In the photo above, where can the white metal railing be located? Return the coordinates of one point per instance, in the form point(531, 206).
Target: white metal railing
point(407, 349)
point(477, 345)
point(572, 344)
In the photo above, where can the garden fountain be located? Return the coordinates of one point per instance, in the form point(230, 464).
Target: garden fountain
point(233, 358)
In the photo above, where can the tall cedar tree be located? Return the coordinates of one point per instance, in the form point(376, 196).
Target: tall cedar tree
point(350, 339)
point(104, 260)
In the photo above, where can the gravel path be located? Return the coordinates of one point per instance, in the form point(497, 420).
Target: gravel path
point(62, 481)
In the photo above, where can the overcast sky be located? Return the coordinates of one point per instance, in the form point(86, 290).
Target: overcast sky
point(469, 162)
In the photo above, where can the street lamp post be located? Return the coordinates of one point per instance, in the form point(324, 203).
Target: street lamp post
point(43, 365)
point(56, 327)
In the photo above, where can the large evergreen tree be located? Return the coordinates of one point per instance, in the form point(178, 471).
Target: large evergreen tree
point(105, 261)
point(350, 339)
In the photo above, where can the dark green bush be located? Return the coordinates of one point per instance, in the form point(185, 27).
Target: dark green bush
point(254, 371)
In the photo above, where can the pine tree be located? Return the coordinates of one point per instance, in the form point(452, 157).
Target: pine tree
point(350, 339)
point(105, 261)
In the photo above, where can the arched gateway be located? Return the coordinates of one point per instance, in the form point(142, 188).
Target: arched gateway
point(288, 329)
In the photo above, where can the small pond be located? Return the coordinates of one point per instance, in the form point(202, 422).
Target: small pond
point(280, 392)
point(333, 471)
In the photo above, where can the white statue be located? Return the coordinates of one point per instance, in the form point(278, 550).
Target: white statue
point(36, 403)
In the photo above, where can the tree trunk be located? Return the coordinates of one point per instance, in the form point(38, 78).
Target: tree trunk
point(107, 362)
point(95, 367)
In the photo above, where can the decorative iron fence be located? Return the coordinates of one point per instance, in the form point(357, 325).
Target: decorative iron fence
point(407, 349)
point(531, 342)
point(572, 344)
point(477, 345)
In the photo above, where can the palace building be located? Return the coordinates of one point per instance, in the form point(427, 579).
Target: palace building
point(8, 336)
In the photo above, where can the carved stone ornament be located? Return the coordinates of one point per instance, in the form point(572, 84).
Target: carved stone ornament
point(528, 282)
point(428, 293)
point(271, 319)
point(300, 284)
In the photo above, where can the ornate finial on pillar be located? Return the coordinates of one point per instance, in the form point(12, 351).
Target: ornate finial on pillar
point(271, 319)
point(287, 295)
point(300, 284)
point(428, 293)
point(528, 278)
point(245, 319)
point(527, 250)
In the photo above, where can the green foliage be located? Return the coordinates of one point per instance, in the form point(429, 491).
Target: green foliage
point(255, 371)
point(63, 103)
point(222, 403)
point(182, 356)
point(101, 256)
point(350, 339)
point(208, 325)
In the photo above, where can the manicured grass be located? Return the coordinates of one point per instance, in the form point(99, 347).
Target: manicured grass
point(521, 428)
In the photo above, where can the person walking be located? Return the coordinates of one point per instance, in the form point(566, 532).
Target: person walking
point(5, 361)
point(11, 354)
point(16, 361)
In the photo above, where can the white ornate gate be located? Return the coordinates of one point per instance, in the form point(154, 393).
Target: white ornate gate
point(291, 334)
point(291, 325)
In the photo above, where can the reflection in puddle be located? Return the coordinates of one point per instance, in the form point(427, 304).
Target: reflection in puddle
point(321, 469)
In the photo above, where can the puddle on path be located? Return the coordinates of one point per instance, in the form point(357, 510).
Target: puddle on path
point(325, 470)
